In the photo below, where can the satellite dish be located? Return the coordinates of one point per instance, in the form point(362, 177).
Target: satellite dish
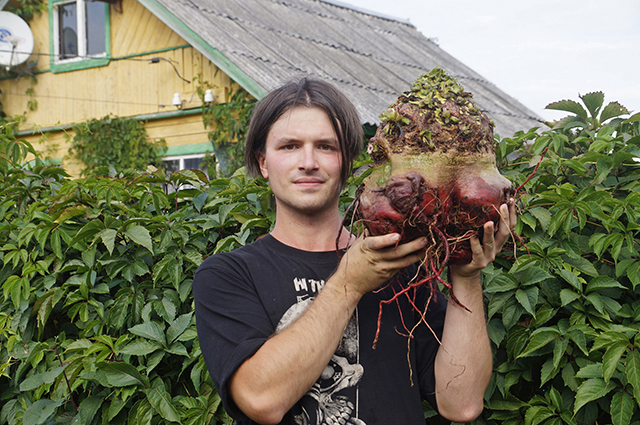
point(16, 40)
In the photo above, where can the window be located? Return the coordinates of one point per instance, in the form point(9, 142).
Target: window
point(79, 33)
point(184, 162)
point(172, 164)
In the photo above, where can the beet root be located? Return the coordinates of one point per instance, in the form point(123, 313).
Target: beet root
point(434, 174)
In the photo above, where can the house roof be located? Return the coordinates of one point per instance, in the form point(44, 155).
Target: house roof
point(372, 58)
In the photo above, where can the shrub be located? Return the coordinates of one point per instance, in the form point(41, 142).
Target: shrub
point(96, 322)
point(96, 318)
point(564, 315)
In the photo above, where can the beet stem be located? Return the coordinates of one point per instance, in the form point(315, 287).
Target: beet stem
point(533, 173)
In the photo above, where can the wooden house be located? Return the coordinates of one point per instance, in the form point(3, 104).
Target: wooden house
point(129, 58)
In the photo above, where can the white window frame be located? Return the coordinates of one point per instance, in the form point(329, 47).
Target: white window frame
point(181, 158)
point(169, 188)
point(81, 11)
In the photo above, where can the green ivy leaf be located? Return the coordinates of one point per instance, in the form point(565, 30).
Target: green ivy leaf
point(115, 407)
point(87, 410)
point(122, 374)
point(528, 299)
point(501, 282)
point(606, 339)
point(567, 296)
point(540, 338)
point(108, 237)
point(542, 215)
point(569, 106)
point(40, 411)
point(622, 408)
point(590, 390)
point(633, 371)
point(612, 110)
point(140, 347)
point(537, 414)
point(178, 327)
point(34, 381)
point(583, 265)
point(150, 330)
point(534, 275)
point(593, 101)
point(547, 371)
point(166, 309)
point(141, 236)
point(577, 336)
point(633, 272)
point(558, 351)
point(611, 359)
point(161, 402)
point(572, 279)
point(56, 245)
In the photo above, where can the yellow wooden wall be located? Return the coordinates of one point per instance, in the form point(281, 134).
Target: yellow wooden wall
point(126, 87)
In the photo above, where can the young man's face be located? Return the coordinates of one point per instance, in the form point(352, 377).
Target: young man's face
point(302, 161)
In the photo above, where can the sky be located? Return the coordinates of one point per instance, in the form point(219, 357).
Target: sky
point(537, 51)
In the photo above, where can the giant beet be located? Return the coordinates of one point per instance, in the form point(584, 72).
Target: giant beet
point(434, 170)
point(434, 175)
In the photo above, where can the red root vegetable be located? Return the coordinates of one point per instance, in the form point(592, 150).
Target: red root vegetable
point(434, 173)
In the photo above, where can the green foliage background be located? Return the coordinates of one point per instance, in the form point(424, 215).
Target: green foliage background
point(96, 315)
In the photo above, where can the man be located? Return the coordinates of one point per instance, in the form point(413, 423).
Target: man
point(286, 326)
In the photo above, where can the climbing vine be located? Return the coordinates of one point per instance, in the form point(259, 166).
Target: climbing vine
point(115, 142)
point(229, 123)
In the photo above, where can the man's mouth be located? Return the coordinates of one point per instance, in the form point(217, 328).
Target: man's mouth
point(308, 182)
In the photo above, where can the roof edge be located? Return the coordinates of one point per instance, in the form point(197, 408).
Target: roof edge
point(368, 12)
point(213, 54)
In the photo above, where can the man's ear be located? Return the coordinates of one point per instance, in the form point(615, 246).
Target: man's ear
point(262, 162)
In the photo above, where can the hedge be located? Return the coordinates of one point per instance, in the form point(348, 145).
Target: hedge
point(96, 318)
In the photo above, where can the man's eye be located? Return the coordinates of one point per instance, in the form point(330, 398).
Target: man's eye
point(289, 147)
point(327, 147)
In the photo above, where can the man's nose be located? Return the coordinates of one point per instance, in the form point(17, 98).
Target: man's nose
point(308, 160)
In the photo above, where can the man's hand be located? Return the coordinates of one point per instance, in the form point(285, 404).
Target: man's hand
point(492, 243)
point(372, 260)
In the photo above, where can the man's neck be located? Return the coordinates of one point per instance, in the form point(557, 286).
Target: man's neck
point(311, 233)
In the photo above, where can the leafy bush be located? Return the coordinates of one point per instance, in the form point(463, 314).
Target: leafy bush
point(564, 315)
point(96, 319)
point(96, 322)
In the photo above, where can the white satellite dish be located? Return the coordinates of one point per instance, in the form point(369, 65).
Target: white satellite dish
point(16, 40)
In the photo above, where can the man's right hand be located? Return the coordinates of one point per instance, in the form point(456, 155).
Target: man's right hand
point(372, 260)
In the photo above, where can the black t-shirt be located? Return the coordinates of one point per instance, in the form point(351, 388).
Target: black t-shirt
point(245, 296)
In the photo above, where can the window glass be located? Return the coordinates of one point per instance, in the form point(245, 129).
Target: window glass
point(192, 163)
point(171, 166)
point(96, 20)
point(68, 27)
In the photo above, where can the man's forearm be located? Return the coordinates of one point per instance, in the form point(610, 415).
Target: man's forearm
point(464, 362)
point(269, 383)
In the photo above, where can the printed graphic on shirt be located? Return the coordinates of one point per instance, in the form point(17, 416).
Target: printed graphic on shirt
point(333, 399)
point(307, 287)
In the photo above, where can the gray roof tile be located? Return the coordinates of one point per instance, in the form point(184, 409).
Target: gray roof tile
point(370, 57)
